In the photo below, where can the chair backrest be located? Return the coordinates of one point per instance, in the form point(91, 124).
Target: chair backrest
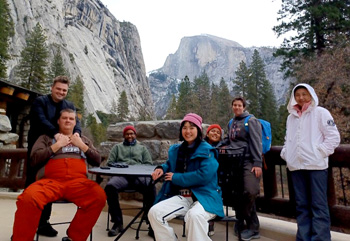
point(230, 177)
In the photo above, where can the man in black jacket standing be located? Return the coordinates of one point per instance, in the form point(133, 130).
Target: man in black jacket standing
point(43, 115)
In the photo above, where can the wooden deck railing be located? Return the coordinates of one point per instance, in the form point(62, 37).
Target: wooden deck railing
point(277, 196)
point(13, 168)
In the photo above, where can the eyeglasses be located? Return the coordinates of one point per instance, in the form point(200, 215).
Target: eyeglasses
point(129, 134)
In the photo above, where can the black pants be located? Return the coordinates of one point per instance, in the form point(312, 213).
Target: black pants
point(119, 184)
point(246, 208)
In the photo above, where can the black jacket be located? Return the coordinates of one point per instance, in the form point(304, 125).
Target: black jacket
point(44, 114)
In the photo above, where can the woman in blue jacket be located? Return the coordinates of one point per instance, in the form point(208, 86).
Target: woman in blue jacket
point(191, 185)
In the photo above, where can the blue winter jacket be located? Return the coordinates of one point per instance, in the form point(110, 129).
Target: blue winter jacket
point(200, 177)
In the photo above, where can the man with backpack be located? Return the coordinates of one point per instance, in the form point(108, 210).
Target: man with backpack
point(239, 136)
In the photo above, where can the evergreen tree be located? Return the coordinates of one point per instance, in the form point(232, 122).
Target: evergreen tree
point(6, 31)
point(76, 95)
point(97, 131)
point(171, 112)
point(318, 25)
point(201, 91)
point(114, 110)
point(144, 115)
point(255, 84)
point(224, 107)
point(214, 104)
point(185, 100)
point(57, 66)
point(123, 107)
point(33, 62)
point(241, 82)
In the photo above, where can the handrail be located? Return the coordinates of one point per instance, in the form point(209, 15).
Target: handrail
point(277, 196)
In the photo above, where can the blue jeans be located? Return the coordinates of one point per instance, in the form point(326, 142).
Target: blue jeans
point(313, 219)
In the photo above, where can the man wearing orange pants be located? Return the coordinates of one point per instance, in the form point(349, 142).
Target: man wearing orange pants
point(62, 177)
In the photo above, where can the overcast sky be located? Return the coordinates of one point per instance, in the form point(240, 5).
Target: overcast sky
point(163, 23)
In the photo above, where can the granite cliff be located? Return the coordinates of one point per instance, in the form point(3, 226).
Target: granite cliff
point(106, 53)
point(219, 58)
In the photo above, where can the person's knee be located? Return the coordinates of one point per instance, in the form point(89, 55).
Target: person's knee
point(30, 198)
point(153, 214)
point(193, 216)
point(100, 196)
point(110, 190)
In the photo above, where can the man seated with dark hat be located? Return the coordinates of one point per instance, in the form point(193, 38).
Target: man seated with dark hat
point(128, 152)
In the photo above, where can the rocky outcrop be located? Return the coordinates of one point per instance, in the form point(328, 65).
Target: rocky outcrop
point(7, 139)
point(219, 58)
point(104, 52)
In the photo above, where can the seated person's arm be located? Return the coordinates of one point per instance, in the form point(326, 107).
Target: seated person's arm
point(113, 155)
point(146, 157)
point(92, 155)
point(43, 148)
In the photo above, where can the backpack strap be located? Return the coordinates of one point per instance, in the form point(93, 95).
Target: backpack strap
point(230, 124)
point(246, 123)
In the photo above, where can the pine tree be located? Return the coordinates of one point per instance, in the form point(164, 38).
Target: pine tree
point(255, 84)
point(171, 112)
point(97, 131)
point(214, 104)
point(33, 62)
point(6, 31)
point(123, 107)
point(185, 100)
point(318, 25)
point(57, 66)
point(241, 81)
point(76, 95)
point(201, 91)
point(224, 108)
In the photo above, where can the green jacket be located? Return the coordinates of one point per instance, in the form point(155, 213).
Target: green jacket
point(136, 154)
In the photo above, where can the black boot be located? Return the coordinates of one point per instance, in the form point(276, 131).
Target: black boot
point(47, 230)
point(117, 228)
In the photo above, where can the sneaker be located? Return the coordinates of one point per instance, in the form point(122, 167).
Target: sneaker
point(67, 239)
point(237, 226)
point(249, 234)
point(211, 229)
point(115, 230)
point(47, 230)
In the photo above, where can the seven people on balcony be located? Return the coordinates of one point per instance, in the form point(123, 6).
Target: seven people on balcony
point(190, 188)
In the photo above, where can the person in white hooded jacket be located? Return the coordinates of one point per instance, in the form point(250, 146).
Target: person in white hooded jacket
point(311, 136)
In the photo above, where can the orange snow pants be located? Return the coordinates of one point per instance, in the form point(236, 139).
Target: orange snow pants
point(65, 179)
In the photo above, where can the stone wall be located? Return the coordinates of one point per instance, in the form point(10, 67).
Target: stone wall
point(7, 139)
point(157, 136)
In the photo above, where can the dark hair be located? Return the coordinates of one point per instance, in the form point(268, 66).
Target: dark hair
point(299, 87)
point(61, 79)
point(239, 99)
point(67, 110)
point(199, 132)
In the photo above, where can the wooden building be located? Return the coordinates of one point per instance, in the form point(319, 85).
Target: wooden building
point(16, 102)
